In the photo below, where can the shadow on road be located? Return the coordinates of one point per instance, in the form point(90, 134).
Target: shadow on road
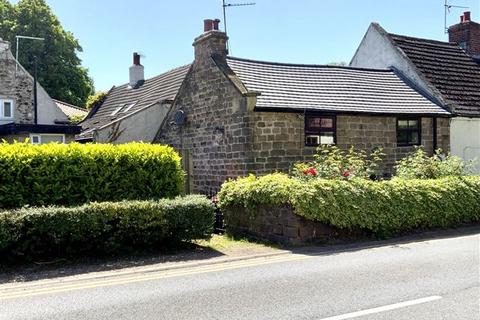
point(69, 267)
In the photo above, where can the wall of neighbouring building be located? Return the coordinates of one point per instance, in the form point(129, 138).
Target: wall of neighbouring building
point(17, 84)
point(21, 137)
point(376, 51)
point(139, 126)
point(465, 138)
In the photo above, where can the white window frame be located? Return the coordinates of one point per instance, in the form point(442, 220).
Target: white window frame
point(128, 107)
point(39, 136)
point(2, 110)
point(117, 110)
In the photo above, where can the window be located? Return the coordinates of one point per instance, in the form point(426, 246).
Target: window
point(117, 110)
point(408, 131)
point(319, 130)
point(46, 138)
point(128, 107)
point(6, 109)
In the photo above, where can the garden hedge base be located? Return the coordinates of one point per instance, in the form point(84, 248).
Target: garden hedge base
point(279, 224)
point(102, 228)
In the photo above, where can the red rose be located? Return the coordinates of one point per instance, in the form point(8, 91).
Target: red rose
point(310, 171)
point(346, 174)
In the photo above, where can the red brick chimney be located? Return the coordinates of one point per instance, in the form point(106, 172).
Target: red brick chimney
point(211, 41)
point(466, 34)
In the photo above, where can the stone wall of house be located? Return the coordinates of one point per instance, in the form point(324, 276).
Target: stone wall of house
point(278, 140)
point(214, 140)
point(16, 85)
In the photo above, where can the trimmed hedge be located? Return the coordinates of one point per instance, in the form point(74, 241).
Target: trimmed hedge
point(73, 174)
point(384, 207)
point(108, 227)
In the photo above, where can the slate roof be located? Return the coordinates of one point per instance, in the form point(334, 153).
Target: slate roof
point(162, 87)
point(449, 69)
point(330, 88)
point(70, 110)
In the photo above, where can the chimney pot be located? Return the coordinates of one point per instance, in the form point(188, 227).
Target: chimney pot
point(466, 15)
point(136, 59)
point(216, 22)
point(208, 25)
point(462, 18)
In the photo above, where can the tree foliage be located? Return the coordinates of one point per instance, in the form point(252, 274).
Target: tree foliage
point(59, 68)
point(95, 99)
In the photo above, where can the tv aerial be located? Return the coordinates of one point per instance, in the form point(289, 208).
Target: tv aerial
point(226, 5)
point(449, 6)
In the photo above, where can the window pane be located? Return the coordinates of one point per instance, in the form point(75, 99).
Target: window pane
point(314, 122)
point(413, 137)
point(402, 124)
point(413, 124)
point(52, 138)
point(326, 138)
point(312, 140)
point(7, 109)
point(402, 137)
point(327, 123)
point(35, 140)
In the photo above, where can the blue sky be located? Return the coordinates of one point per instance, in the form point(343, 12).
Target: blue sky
point(300, 31)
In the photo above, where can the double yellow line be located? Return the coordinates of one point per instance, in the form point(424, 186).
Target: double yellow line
point(24, 291)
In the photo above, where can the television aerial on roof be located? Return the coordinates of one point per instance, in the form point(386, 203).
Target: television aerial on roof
point(226, 5)
point(449, 6)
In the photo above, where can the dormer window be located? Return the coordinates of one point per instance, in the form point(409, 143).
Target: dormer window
point(6, 109)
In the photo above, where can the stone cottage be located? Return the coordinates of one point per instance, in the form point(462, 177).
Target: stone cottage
point(235, 116)
point(449, 72)
point(21, 115)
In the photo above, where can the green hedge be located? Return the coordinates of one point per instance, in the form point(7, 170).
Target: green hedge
point(384, 207)
point(107, 227)
point(73, 174)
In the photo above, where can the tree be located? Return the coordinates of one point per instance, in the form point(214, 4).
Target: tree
point(59, 68)
point(95, 99)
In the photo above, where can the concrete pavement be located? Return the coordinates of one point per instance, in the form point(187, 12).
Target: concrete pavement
point(431, 279)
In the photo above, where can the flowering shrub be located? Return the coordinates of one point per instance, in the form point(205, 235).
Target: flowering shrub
point(330, 162)
point(419, 165)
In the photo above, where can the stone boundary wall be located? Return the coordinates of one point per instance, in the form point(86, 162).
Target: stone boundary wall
point(280, 225)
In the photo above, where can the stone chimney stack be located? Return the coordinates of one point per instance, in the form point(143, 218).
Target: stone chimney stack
point(137, 74)
point(466, 34)
point(211, 42)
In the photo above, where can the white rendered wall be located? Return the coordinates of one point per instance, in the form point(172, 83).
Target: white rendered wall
point(465, 138)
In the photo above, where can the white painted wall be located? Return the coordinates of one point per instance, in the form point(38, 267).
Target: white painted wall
point(48, 111)
point(376, 51)
point(465, 138)
point(142, 125)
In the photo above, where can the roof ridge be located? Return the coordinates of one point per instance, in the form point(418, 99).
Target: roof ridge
point(70, 105)
point(308, 65)
point(452, 44)
point(159, 75)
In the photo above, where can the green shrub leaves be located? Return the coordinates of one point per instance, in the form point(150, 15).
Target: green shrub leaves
point(102, 228)
point(383, 207)
point(72, 174)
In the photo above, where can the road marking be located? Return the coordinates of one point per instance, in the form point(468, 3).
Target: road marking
point(383, 309)
point(13, 293)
